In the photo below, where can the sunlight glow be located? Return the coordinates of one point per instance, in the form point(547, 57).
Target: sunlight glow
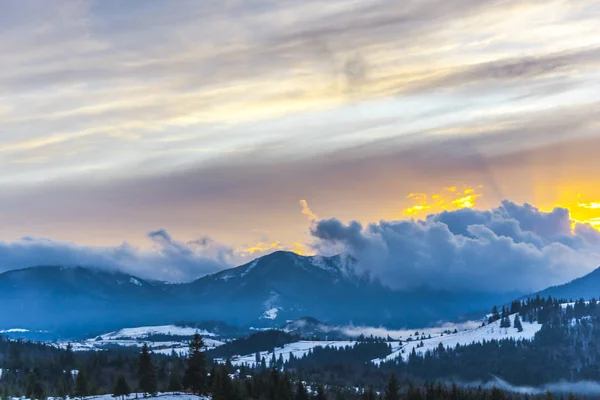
point(450, 198)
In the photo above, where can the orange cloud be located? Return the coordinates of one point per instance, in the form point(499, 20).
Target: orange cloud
point(307, 211)
point(591, 206)
point(583, 208)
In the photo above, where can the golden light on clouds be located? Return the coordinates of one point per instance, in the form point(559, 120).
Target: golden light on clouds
point(583, 207)
point(307, 211)
point(450, 198)
point(261, 248)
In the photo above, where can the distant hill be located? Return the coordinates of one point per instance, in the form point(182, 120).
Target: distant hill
point(586, 287)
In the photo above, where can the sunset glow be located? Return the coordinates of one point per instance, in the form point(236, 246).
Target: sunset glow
point(359, 111)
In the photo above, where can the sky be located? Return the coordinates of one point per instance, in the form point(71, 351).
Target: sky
point(174, 139)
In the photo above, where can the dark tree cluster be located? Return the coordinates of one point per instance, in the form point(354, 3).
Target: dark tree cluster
point(257, 342)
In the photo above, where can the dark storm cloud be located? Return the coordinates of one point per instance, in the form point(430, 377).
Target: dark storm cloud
point(510, 248)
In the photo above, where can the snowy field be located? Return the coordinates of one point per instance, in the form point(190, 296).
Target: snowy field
point(475, 333)
point(137, 337)
point(145, 331)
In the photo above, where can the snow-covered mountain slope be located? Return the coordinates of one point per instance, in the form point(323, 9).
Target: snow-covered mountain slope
point(488, 332)
point(421, 341)
point(298, 349)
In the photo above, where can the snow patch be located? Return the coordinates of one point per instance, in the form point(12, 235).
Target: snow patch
point(15, 330)
point(271, 313)
point(135, 282)
point(321, 263)
point(250, 267)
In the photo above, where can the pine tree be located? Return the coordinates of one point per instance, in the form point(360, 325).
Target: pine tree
point(81, 385)
point(39, 393)
point(60, 392)
point(147, 373)
point(222, 387)
point(121, 388)
point(371, 393)
point(301, 393)
point(195, 372)
point(517, 323)
point(284, 388)
point(392, 389)
point(320, 393)
point(31, 382)
point(174, 381)
point(495, 316)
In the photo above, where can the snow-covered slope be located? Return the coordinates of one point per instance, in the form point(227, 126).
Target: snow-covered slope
point(430, 338)
point(298, 349)
point(466, 337)
point(145, 331)
point(159, 396)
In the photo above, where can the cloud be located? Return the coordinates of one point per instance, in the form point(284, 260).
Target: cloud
point(168, 259)
point(510, 248)
point(307, 211)
point(588, 388)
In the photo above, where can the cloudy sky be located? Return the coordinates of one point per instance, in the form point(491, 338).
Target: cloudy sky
point(178, 138)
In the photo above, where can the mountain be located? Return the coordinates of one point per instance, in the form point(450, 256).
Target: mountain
point(52, 297)
point(267, 292)
point(586, 287)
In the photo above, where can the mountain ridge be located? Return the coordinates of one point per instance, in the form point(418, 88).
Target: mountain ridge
point(586, 287)
point(266, 292)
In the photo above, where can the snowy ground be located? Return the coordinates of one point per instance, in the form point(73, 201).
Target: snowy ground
point(431, 338)
point(159, 396)
point(136, 337)
point(477, 335)
point(145, 331)
point(403, 334)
